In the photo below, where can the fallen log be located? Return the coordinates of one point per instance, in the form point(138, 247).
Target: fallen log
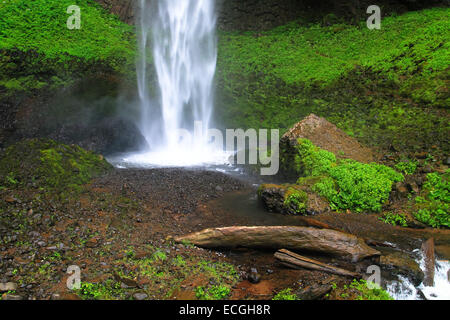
point(296, 261)
point(428, 254)
point(323, 241)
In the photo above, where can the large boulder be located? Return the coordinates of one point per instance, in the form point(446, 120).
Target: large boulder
point(325, 135)
point(399, 263)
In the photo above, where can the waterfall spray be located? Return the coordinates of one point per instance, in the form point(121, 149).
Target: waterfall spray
point(182, 36)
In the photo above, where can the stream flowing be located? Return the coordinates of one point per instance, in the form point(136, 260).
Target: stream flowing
point(403, 289)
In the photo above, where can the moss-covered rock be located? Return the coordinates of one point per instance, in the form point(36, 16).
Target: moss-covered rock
point(291, 199)
point(48, 164)
point(345, 183)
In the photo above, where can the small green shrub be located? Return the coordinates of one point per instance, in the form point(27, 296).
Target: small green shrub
point(407, 167)
point(285, 294)
point(347, 184)
point(311, 160)
point(434, 203)
point(369, 292)
point(214, 292)
point(101, 291)
point(394, 219)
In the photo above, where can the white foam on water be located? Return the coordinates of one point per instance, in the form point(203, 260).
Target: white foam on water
point(403, 289)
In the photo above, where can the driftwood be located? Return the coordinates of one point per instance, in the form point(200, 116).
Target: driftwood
point(296, 261)
point(428, 254)
point(323, 241)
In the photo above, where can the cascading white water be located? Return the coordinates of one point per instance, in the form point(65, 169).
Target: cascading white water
point(403, 289)
point(184, 50)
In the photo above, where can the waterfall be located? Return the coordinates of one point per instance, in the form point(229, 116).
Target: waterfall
point(403, 289)
point(175, 123)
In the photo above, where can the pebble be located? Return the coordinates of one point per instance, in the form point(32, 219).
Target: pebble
point(140, 296)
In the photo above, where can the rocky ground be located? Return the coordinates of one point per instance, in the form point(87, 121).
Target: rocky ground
point(119, 231)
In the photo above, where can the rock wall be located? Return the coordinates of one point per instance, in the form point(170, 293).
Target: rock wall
point(123, 8)
point(266, 14)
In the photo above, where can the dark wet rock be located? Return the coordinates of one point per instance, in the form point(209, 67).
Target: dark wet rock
point(254, 277)
point(421, 155)
point(399, 263)
point(413, 187)
point(125, 283)
point(447, 161)
point(314, 292)
point(108, 136)
point(291, 199)
point(400, 190)
point(427, 169)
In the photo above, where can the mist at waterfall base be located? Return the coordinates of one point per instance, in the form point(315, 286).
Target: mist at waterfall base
point(180, 36)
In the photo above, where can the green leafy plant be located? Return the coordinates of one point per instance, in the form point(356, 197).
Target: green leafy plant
point(101, 291)
point(285, 294)
point(407, 167)
point(365, 291)
point(433, 206)
point(395, 219)
point(214, 292)
point(295, 200)
point(347, 184)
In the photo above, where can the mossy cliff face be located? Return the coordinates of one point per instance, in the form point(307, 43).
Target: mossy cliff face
point(40, 58)
point(385, 87)
point(47, 164)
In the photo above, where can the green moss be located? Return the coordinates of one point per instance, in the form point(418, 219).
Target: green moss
point(285, 294)
point(346, 184)
point(48, 164)
point(310, 160)
point(165, 271)
point(348, 74)
point(433, 205)
point(212, 293)
point(407, 167)
point(38, 50)
point(358, 186)
point(295, 200)
point(364, 291)
point(108, 290)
